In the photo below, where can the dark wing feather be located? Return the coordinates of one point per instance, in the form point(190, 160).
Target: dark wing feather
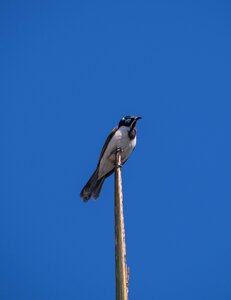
point(107, 142)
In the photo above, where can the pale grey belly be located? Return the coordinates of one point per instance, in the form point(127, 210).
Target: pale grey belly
point(107, 163)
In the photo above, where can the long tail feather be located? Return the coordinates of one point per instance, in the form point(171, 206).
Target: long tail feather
point(98, 187)
point(93, 187)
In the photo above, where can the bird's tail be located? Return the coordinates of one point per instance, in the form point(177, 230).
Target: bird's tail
point(93, 187)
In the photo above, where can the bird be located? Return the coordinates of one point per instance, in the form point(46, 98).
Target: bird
point(122, 137)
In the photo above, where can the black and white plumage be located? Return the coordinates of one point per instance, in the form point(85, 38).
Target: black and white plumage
point(122, 136)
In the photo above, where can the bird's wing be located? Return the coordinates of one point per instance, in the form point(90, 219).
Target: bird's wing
point(107, 142)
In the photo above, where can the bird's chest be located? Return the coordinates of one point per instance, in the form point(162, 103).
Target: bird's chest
point(119, 140)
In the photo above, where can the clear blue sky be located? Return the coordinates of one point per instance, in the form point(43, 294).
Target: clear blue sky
point(69, 71)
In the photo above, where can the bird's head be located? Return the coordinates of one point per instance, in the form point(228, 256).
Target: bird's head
point(129, 121)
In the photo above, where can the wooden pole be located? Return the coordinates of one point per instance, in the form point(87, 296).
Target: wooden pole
point(120, 243)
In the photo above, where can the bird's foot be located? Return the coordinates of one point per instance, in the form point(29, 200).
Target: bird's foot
point(118, 149)
point(118, 164)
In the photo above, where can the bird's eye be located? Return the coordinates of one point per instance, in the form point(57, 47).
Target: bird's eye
point(127, 121)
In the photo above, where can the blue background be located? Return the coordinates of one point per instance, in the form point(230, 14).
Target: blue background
point(69, 71)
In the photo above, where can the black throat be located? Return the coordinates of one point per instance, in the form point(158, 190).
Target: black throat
point(132, 132)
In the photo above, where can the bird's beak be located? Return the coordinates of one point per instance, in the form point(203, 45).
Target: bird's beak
point(136, 119)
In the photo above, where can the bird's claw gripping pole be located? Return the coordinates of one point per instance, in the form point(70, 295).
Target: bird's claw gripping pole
point(120, 243)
